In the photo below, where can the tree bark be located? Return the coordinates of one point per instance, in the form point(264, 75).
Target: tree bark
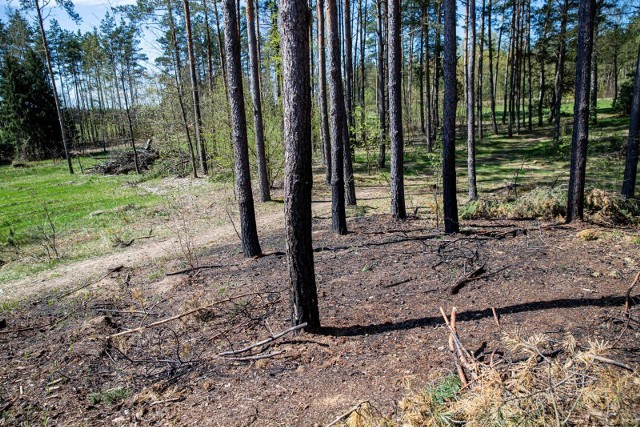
point(492, 94)
point(382, 112)
point(449, 120)
point(194, 90)
point(560, 74)
point(178, 79)
point(470, 88)
point(296, 102)
point(480, 71)
point(322, 92)
point(398, 209)
point(427, 78)
point(633, 141)
point(261, 158)
point(349, 181)
point(580, 138)
point(47, 55)
point(337, 121)
point(248, 229)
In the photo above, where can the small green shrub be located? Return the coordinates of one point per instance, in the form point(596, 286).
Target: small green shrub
point(108, 397)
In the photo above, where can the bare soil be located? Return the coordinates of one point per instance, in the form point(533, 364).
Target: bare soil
point(380, 289)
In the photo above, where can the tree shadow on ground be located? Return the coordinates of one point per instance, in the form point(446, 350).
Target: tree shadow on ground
point(465, 316)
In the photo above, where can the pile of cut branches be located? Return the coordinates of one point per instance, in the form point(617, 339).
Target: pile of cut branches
point(123, 162)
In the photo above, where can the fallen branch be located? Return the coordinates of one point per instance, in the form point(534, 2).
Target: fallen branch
point(263, 342)
point(254, 357)
point(611, 362)
point(113, 270)
point(187, 313)
point(192, 269)
point(476, 275)
point(346, 414)
point(401, 282)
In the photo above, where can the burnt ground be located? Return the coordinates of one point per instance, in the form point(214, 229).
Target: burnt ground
point(380, 289)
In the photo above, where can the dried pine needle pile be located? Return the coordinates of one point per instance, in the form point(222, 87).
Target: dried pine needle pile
point(546, 383)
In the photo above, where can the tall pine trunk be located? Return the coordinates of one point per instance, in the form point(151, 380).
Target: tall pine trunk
point(382, 111)
point(337, 120)
point(560, 74)
point(194, 91)
point(261, 158)
point(633, 141)
point(322, 91)
point(449, 120)
point(580, 138)
point(398, 209)
point(296, 102)
point(470, 88)
point(47, 55)
point(248, 229)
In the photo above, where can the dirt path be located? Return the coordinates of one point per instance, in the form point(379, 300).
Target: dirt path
point(143, 253)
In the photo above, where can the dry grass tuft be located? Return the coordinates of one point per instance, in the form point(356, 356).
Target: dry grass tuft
point(544, 383)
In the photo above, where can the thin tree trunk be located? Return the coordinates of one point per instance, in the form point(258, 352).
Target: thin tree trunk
point(471, 122)
point(248, 229)
point(221, 49)
point(349, 181)
point(322, 92)
point(398, 210)
point(209, 46)
point(363, 30)
point(480, 71)
point(541, 62)
point(382, 112)
point(132, 139)
point(580, 138)
point(296, 102)
point(437, 65)
point(261, 158)
point(559, 75)
point(449, 120)
point(633, 141)
point(194, 90)
point(338, 117)
point(427, 78)
point(178, 79)
point(492, 93)
point(47, 55)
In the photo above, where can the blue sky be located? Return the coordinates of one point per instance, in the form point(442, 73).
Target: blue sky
point(91, 12)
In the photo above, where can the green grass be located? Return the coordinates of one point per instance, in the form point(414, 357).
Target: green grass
point(27, 194)
point(70, 199)
point(529, 157)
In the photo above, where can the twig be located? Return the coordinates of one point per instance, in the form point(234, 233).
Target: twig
point(263, 342)
point(611, 362)
point(9, 404)
point(346, 414)
point(495, 316)
point(401, 282)
point(462, 282)
point(176, 317)
point(627, 303)
point(254, 357)
point(113, 270)
point(173, 399)
point(465, 281)
point(189, 270)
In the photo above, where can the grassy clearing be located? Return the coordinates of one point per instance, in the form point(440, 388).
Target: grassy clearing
point(528, 159)
point(48, 216)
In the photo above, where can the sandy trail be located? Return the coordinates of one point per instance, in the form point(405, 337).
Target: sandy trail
point(142, 253)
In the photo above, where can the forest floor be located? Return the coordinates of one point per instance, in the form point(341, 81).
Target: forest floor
point(380, 291)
